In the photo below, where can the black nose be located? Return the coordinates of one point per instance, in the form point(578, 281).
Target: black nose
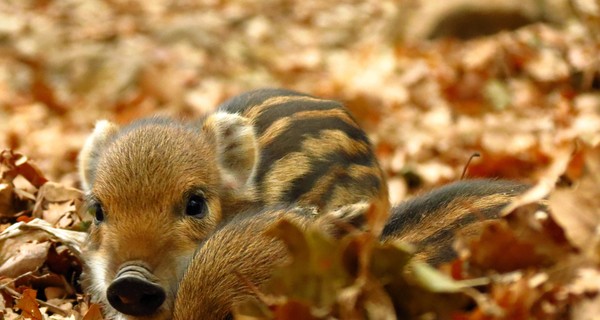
point(135, 296)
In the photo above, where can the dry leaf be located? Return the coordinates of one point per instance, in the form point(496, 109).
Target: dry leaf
point(18, 164)
point(26, 257)
point(576, 209)
point(548, 181)
point(93, 313)
point(54, 192)
point(29, 306)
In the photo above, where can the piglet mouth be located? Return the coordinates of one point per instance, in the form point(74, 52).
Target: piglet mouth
point(134, 291)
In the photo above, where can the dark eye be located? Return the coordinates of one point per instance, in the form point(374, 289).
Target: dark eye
point(196, 207)
point(96, 211)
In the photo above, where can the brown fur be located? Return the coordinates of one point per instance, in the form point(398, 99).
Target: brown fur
point(240, 252)
point(143, 175)
point(143, 222)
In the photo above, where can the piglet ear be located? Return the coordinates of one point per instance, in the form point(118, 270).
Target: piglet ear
point(95, 143)
point(236, 146)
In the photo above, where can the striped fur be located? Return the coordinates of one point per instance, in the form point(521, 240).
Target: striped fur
point(311, 151)
point(431, 220)
point(240, 253)
point(262, 148)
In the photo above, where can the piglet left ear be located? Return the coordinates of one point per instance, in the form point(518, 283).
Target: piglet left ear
point(236, 147)
point(92, 149)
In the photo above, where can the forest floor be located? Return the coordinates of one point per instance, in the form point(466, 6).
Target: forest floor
point(527, 101)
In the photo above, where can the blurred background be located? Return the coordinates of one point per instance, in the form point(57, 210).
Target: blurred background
point(431, 81)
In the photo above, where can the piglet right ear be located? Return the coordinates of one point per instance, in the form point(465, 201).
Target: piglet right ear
point(95, 143)
point(236, 146)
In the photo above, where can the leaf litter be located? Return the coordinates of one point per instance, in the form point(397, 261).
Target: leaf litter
point(526, 100)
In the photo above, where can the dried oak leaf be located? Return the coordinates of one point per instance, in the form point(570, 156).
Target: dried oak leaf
point(29, 306)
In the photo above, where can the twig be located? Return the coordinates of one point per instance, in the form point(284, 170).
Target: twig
point(17, 278)
point(474, 155)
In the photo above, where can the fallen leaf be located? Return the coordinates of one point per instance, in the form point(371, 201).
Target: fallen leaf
point(19, 164)
point(548, 180)
point(575, 209)
point(93, 313)
point(29, 306)
point(25, 257)
point(502, 248)
point(54, 192)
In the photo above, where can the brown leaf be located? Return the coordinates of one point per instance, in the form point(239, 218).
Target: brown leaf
point(576, 209)
point(40, 230)
point(18, 164)
point(93, 313)
point(26, 257)
point(55, 192)
point(502, 248)
point(548, 180)
point(58, 211)
point(29, 306)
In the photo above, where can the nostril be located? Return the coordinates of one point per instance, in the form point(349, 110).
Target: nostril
point(135, 296)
